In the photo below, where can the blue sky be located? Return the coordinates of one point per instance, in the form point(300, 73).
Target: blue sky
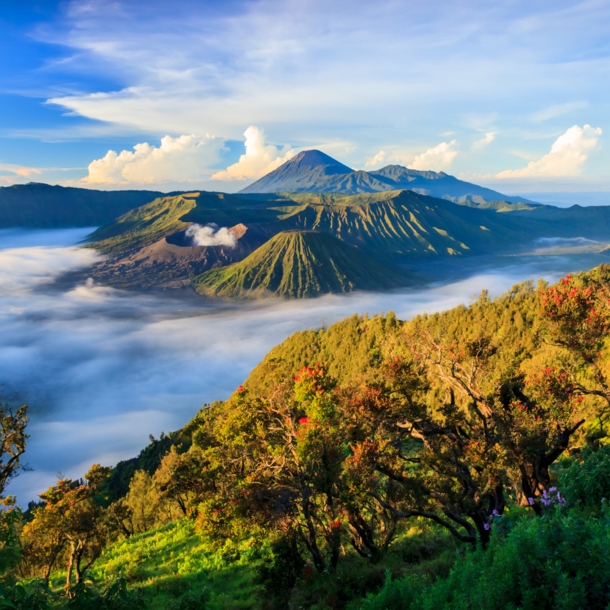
point(513, 95)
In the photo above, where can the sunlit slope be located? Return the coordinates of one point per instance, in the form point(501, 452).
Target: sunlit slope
point(168, 215)
point(391, 224)
point(404, 223)
point(144, 225)
point(297, 264)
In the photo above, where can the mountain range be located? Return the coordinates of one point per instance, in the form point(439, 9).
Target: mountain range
point(301, 243)
point(313, 171)
point(43, 206)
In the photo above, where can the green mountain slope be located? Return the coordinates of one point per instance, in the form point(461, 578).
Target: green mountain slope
point(403, 223)
point(297, 264)
point(166, 216)
point(144, 225)
point(44, 206)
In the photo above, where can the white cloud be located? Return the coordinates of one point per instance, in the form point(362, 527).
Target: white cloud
point(557, 110)
point(376, 161)
point(210, 235)
point(490, 136)
point(259, 159)
point(181, 159)
point(439, 157)
point(567, 156)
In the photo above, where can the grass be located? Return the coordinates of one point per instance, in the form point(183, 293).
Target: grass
point(172, 562)
point(175, 569)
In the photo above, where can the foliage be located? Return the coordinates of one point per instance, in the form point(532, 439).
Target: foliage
point(586, 482)
point(71, 525)
point(12, 443)
point(556, 562)
point(484, 425)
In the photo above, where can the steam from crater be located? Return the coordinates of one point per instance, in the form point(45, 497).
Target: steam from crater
point(210, 235)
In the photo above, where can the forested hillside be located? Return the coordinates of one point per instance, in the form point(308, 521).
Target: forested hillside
point(456, 460)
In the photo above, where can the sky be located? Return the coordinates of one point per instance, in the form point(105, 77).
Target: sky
point(213, 94)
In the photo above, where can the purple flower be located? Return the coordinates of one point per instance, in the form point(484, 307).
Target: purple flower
point(496, 513)
point(531, 501)
point(486, 526)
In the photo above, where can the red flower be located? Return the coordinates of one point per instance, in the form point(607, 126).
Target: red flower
point(304, 421)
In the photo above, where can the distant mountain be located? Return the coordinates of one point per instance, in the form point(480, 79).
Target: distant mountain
point(150, 246)
point(44, 206)
point(298, 264)
point(313, 171)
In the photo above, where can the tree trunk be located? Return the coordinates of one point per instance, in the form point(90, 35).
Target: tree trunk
point(70, 568)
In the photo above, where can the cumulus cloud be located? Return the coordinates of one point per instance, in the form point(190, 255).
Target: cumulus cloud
point(437, 158)
point(490, 136)
point(180, 159)
point(259, 159)
point(210, 235)
point(567, 156)
point(376, 161)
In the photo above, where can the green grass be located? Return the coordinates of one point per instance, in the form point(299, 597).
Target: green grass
point(171, 562)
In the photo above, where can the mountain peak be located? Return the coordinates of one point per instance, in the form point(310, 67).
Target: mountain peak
point(299, 173)
point(297, 264)
point(309, 159)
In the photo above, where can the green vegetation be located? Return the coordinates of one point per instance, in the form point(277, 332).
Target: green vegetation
point(297, 264)
point(457, 460)
point(145, 225)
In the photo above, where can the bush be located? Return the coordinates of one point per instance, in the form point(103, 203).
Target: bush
point(279, 573)
point(586, 484)
point(558, 562)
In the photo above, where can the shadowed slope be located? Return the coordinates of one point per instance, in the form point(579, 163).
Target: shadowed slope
point(297, 264)
point(50, 207)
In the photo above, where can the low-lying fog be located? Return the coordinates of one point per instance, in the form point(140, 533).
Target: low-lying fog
point(101, 369)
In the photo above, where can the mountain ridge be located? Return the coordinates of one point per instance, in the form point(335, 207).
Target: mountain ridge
point(314, 171)
point(39, 205)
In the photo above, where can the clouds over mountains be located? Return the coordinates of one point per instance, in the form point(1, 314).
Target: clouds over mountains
point(181, 159)
point(434, 84)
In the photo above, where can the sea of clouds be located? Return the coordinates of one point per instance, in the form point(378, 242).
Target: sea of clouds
point(101, 369)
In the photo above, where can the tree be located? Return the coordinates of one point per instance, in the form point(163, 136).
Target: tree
point(278, 461)
point(179, 478)
point(576, 313)
point(12, 446)
point(71, 524)
point(12, 443)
